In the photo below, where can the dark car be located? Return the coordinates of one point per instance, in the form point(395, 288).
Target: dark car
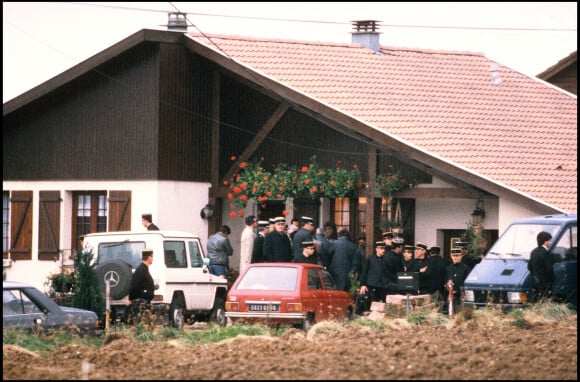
point(26, 308)
point(296, 294)
point(502, 279)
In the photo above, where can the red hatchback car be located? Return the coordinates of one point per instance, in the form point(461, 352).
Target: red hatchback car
point(296, 294)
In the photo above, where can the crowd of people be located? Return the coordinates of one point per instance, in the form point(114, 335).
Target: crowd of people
point(378, 274)
point(300, 241)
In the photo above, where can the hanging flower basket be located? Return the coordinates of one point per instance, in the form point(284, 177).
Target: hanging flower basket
point(253, 182)
point(390, 182)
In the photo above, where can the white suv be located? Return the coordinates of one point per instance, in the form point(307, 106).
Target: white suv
point(186, 289)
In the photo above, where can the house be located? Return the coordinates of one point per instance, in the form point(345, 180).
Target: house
point(563, 74)
point(160, 121)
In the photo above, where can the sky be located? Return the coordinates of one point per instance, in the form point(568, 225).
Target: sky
point(42, 40)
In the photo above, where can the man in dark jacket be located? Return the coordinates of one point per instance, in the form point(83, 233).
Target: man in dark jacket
point(393, 262)
point(359, 255)
point(541, 265)
point(258, 250)
point(142, 285)
point(438, 267)
point(342, 259)
point(303, 234)
point(421, 265)
point(455, 274)
point(308, 254)
point(147, 220)
point(373, 278)
point(277, 244)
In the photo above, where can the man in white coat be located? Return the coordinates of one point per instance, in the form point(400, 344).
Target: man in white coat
point(247, 242)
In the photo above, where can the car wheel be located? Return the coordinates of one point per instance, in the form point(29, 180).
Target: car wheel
point(218, 315)
point(119, 275)
point(176, 312)
point(308, 322)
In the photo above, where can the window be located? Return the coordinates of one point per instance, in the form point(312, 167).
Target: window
point(129, 252)
point(329, 282)
point(195, 254)
point(362, 214)
point(89, 214)
point(16, 302)
point(5, 221)
point(313, 279)
point(175, 256)
point(341, 213)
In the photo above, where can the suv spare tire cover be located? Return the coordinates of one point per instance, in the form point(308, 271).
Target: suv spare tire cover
point(119, 274)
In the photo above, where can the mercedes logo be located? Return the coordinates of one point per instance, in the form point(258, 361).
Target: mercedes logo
point(112, 277)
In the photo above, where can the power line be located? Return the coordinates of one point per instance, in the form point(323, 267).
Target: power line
point(335, 22)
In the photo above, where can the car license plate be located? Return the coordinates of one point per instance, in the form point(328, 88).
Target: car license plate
point(263, 307)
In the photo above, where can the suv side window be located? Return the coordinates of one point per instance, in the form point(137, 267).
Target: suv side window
point(175, 256)
point(566, 246)
point(129, 252)
point(195, 254)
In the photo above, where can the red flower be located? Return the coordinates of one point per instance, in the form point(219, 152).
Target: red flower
point(243, 165)
point(233, 214)
point(332, 182)
point(355, 165)
point(225, 182)
point(233, 158)
point(230, 195)
point(304, 168)
point(266, 177)
point(306, 181)
point(237, 190)
point(314, 189)
point(244, 198)
point(240, 213)
point(285, 212)
point(244, 185)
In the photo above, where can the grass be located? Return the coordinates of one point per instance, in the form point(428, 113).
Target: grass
point(545, 311)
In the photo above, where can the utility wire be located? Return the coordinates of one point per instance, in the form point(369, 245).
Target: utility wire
point(332, 22)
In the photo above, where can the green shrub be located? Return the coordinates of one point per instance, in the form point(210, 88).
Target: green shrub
point(86, 293)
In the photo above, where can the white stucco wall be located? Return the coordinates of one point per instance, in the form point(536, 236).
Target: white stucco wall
point(174, 205)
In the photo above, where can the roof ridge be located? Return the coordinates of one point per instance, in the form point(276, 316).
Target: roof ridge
point(268, 39)
point(330, 43)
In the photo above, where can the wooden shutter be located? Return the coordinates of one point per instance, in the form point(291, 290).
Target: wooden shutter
point(119, 210)
point(21, 225)
point(49, 226)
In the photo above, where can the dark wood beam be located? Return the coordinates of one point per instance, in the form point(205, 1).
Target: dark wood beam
point(370, 215)
point(258, 139)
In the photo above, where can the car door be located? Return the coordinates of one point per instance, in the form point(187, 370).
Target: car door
point(336, 299)
point(313, 296)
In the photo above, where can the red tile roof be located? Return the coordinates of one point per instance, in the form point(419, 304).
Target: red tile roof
point(520, 133)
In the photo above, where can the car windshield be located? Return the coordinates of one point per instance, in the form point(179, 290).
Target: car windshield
point(519, 240)
point(269, 278)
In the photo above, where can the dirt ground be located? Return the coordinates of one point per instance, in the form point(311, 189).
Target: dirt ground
point(464, 348)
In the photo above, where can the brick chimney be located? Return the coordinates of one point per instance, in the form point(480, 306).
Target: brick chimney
point(366, 33)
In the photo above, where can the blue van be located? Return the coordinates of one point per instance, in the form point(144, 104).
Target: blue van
point(502, 278)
